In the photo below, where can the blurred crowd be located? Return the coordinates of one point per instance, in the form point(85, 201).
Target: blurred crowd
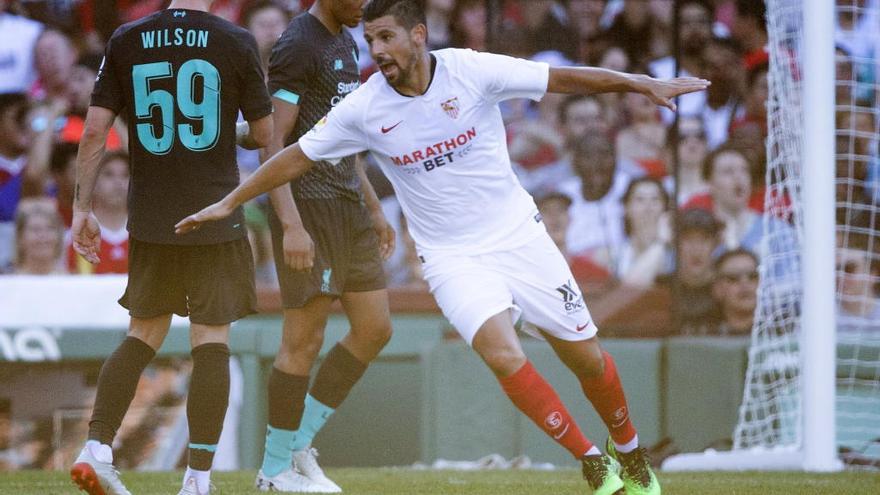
point(632, 195)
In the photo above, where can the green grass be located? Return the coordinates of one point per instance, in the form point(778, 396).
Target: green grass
point(389, 481)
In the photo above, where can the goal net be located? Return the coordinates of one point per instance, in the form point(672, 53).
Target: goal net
point(771, 431)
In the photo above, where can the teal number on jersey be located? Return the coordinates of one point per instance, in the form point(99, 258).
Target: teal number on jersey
point(206, 111)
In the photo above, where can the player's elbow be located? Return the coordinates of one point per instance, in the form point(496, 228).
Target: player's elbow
point(261, 132)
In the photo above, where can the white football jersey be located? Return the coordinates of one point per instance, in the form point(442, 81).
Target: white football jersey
point(445, 152)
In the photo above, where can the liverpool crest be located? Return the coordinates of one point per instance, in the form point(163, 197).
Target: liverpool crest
point(451, 107)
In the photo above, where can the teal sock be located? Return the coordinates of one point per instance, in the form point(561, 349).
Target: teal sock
point(277, 456)
point(314, 417)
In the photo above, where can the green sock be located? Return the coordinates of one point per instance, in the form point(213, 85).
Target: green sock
point(314, 417)
point(277, 456)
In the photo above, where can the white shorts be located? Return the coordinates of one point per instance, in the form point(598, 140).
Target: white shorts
point(532, 280)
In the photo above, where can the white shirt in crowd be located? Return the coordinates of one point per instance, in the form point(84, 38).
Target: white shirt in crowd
point(595, 224)
point(18, 35)
point(444, 152)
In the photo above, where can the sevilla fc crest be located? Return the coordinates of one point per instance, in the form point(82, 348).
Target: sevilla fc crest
point(451, 107)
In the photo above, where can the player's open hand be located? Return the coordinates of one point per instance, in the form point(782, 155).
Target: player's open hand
point(299, 250)
point(212, 213)
point(663, 93)
point(86, 235)
point(387, 236)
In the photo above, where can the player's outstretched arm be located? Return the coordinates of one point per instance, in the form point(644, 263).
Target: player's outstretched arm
point(285, 166)
point(84, 230)
point(590, 80)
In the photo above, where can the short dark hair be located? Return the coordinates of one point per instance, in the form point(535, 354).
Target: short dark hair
point(61, 154)
point(252, 7)
point(13, 100)
point(408, 13)
point(733, 253)
point(753, 9)
point(709, 161)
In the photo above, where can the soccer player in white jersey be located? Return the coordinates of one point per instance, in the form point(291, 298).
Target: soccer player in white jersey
point(431, 120)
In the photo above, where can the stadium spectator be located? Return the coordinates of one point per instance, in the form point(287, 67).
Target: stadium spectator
point(844, 76)
point(698, 237)
point(692, 150)
point(596, 190)
point(858, 281)
point(735, 289)
point(468, 28)
point(642, 141)
point(749, 30)
point(614, 58)
point(723, 96)
point(39, 239)
point(63, 171)
point(553, 207)
point(535, 154)
point(728, 172)
point(645, 253)
point(582, 115)
point(23, 166)
point(55, 57)
point(266, 20)
point(584, 18)
point(752, 124)
point(18, 35)
point(695, 21)
point(438, 13)
point(633, 29)
point(111, 209)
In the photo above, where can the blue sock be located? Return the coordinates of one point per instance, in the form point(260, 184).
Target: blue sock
point(277, 456)
point(314, 417)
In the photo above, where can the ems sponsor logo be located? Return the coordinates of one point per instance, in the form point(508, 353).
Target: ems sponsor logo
point(619, 417)
point(572, 299)
point(439, 154)
point(451, 107)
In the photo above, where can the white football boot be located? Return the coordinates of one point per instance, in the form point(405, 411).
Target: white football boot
point(191, 487)
point(306, 463)
point(288, 481)
point(96, 477)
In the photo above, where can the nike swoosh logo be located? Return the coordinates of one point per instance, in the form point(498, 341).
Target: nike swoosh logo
point(386, 130)
point(561, 434)
point(580, 328)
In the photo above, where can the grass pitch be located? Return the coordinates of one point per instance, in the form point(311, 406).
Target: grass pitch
point(391, 481)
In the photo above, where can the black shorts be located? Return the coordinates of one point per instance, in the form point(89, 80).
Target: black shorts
point(212, 284)
point(346, 252)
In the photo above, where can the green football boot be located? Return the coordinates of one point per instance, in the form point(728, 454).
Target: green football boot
point(600, 471)
point(638, 478)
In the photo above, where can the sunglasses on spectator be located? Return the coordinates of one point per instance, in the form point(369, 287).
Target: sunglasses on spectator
point(695, 135)
point(751, 276)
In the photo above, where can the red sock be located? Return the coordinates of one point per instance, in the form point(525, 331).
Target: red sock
point(606, 394)
point(535, 397)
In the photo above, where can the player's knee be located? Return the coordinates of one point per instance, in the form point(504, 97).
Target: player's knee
point(591, 366)
point(375, 337)
point(504, 361)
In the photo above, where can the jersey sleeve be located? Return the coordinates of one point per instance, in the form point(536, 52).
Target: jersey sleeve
point(255, 102)
point(291, 68)
point(338, 135)
point(504, 78)
point(108, 91)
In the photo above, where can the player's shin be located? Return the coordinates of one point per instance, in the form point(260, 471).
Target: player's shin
point(606, 394)
point(286, 395)
point(206, 408)
point(532, 395)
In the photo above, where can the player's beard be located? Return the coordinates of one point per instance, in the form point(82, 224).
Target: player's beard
point(404, 71)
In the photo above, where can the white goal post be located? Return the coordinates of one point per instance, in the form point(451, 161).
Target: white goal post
point(788, 418)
